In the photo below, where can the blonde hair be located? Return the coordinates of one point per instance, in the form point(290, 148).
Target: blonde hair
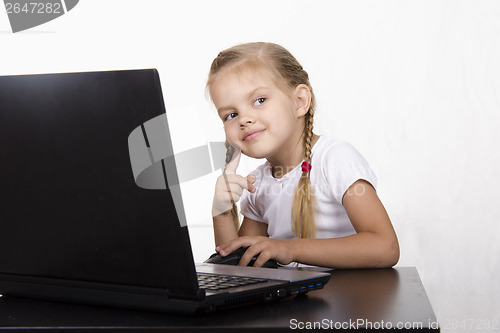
point(287, 73)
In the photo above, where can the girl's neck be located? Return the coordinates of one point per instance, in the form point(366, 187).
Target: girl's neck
point(280, 167)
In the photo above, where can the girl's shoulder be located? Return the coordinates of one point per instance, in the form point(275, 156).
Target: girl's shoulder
point(336, 165)
point(327, 145)
point(336, 156)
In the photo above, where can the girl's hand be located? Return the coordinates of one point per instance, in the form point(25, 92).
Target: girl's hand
point(266, 248)
point(229, 187)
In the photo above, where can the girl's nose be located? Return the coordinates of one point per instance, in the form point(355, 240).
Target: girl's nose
point(246, 118)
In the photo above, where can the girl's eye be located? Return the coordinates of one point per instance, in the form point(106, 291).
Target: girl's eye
point(259, 101)
point(230, 116)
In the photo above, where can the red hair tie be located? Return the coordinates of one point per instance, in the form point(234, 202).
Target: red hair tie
point(306, 167)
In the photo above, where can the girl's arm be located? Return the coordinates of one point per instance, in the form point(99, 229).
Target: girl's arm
point(224, 228)
point(251, 227)
point(225, 231)
point(374, 245)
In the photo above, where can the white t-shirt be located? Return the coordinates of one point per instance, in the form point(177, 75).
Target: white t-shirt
point(336, 165)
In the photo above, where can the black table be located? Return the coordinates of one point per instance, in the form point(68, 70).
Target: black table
point(352, 300)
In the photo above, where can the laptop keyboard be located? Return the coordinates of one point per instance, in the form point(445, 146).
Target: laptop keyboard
point(220, 282)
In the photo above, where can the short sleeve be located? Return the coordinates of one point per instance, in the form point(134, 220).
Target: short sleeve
point(343, 165)
point(248, 209)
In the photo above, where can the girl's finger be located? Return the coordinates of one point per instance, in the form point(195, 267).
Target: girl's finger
point(243, 182)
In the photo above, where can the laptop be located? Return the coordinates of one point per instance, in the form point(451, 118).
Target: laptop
point(91, 204)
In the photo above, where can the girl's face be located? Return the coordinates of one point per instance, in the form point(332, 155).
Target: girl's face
point(259, 118)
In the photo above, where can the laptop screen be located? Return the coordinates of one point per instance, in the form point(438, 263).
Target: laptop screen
point(71, 208)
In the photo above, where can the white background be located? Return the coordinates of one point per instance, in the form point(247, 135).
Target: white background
point(414, 85)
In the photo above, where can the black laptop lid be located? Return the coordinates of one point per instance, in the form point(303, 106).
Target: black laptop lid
point(70, 206)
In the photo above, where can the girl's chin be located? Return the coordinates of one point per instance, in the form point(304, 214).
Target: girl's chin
point(253, 154)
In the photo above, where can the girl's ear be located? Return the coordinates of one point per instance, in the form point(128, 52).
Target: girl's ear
point(302, 96)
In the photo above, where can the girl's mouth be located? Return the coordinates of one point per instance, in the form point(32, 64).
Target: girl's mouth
point(253, 135)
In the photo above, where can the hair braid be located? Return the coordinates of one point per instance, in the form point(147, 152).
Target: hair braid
point(308, 134)
point(234, 211)
point(304, 225)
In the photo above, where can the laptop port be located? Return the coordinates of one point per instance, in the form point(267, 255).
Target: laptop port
point(269, 296)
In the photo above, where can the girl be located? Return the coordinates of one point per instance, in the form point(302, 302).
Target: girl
point(314, 200)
